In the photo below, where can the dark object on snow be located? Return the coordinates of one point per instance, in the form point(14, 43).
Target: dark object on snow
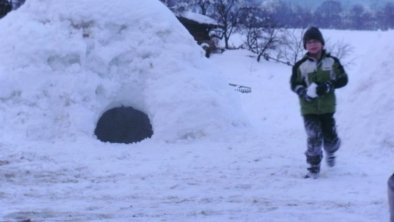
point(240, 88)
point(5, 7)
point(123, 125)
point(391, 196)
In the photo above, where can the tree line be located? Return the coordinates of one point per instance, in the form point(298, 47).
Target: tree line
point(330, 14)
point(274, 29)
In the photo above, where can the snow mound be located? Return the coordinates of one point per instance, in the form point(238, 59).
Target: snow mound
point(65, 62)
point(372, 98)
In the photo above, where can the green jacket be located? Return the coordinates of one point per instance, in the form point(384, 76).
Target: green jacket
point(309, 70)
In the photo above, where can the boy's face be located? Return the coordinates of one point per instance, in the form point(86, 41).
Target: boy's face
point(314, 46)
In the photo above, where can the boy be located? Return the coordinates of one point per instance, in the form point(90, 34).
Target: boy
point(314, 78)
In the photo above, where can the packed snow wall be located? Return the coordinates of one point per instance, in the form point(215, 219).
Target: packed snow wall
point(367, 109)
point(65, 62)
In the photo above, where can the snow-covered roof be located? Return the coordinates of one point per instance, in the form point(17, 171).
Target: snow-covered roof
point(199, 18)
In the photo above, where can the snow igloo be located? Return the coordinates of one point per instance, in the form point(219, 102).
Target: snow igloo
point(65, 63)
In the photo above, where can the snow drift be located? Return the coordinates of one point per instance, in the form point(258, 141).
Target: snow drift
point(370, 98)
point(65, 62)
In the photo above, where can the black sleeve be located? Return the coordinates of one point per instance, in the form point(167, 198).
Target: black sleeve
point(341, 79)
point(295, 79)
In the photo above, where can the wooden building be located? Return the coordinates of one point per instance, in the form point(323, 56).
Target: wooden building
point(201, 27)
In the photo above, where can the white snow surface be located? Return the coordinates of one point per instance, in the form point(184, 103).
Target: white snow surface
point(216, 154)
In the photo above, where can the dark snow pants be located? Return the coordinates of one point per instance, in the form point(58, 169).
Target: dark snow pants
point(321, 133)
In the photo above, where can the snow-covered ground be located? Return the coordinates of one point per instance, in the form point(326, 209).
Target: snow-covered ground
point(216, 154)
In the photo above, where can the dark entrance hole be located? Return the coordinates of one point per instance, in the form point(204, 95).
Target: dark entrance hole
point(123, 125)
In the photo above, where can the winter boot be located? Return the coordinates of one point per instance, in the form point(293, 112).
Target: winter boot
point(330, 159)
point(313, 172)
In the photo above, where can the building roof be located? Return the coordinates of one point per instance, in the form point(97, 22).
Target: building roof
point(199, 18)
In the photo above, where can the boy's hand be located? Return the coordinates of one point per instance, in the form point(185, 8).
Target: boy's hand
point(302, 92)
point(324, 88)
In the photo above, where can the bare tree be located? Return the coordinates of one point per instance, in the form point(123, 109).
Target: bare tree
point(341, 50)
point(261, 40)
point(261, 31)
point(291, 48)
point(177, 6)
point(203, 5)
point(227, 15)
